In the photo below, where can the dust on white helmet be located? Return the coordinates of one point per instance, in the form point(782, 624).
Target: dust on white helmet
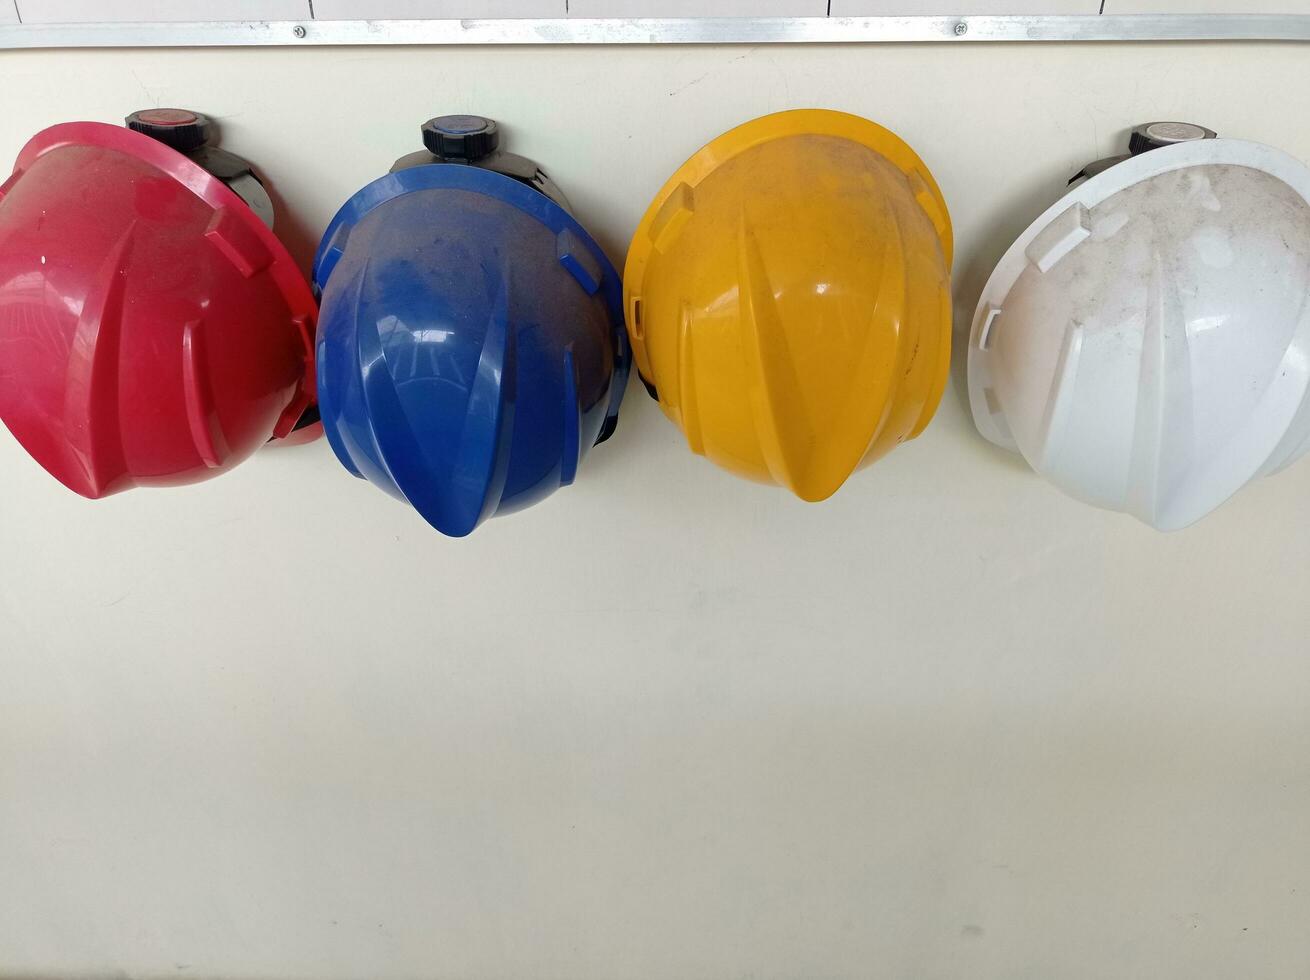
point(1145, 344)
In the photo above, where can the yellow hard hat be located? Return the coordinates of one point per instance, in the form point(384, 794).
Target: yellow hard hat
point(787, 294)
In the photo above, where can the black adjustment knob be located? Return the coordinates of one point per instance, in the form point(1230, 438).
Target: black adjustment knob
point(182, 129)
point(465, 138)
point(1153, 136)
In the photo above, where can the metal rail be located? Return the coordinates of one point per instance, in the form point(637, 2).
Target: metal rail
point(716, 30)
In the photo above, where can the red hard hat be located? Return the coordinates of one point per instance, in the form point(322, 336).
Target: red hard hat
point(153, 331)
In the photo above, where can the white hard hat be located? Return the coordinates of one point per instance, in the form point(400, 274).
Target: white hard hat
point(1145, 344)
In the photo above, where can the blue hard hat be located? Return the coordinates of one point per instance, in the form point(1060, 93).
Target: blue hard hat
point(471, 345)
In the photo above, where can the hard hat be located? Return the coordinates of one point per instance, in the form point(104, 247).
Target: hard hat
point(471, 346)
point(153, 331)
point(1145, 344)
point(787, 297)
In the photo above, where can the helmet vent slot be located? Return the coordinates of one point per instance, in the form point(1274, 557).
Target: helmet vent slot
point(638, 328)
point(1060, 237)
point(985, 334)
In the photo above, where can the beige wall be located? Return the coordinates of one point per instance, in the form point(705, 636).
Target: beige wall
point(667, 724)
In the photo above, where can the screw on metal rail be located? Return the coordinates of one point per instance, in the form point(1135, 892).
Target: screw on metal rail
point(298, 31)
point(961, 29)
